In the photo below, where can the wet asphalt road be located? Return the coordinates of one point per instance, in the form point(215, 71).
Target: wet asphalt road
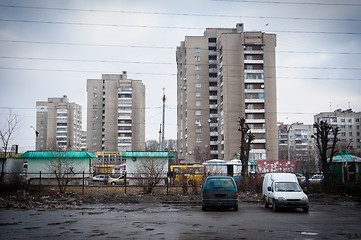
point(162, 221)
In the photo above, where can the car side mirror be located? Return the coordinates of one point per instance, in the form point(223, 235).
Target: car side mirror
point(269, 189)
point(200, 186)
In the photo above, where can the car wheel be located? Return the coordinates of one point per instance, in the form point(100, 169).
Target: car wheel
point(274, 206)
point(266, 204)
point(235, 208)
point(305, 210)
point(204, 208)
point(112, 183)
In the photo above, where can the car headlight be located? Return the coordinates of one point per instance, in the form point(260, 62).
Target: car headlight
point(305, 198)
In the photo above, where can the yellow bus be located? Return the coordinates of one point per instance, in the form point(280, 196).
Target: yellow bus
point(187, 174)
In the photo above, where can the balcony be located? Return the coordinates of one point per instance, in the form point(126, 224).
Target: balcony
point(254, 100)
point(213, 124)
point(254, 111)
point(253, 71)
point(211, 97)
point(259, 141)
point(214, 152)
point(261, 130)
point(253, 61)
point(255, 121)
point(253, 51)
point(254, 90)
point(247, 80)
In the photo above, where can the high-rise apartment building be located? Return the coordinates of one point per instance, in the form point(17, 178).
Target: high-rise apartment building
point(296, 143)
point(58, 124)
point(349, 123)
point(116, 113)
point(221, 76)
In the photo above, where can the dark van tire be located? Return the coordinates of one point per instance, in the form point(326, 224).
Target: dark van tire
point(235, 208)
point(305, 209)
point(266, 204)
point(274, 206)
point(204, 208)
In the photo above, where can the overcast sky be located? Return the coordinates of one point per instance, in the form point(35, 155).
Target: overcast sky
point(50, 48)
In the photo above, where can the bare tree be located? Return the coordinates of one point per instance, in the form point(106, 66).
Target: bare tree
point(6, 133)
point(246, 139)
point(63, 170)
point(326, 149)
point(149, 173)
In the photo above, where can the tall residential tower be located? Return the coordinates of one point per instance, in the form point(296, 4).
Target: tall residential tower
point(116, 114)
point(58, 124)
point(225, 74)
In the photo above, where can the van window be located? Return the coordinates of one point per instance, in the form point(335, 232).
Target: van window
point(287, 187)
point(219, 183)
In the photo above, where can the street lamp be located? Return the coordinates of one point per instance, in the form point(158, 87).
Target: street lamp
point(36, 135)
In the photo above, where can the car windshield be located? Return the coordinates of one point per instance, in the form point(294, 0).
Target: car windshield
point(219, 183)
point(287, 187)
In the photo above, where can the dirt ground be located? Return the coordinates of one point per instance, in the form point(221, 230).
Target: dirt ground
point(76, 198)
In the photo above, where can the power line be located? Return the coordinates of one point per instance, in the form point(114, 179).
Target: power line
point(177, 14)
point(169, 74)
point(293, 3)
point(156, 47)
point(163, 27)
point(165, 63)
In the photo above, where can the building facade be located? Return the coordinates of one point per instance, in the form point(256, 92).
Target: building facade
point(221, 76)
point(349, 123)
point(58, 125)
point(296, 144)
point(116, 114)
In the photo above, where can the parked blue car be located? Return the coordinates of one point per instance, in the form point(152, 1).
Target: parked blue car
point(219, 191)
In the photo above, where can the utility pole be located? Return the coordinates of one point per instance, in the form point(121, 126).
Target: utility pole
point(160, 138)
point(163, 121)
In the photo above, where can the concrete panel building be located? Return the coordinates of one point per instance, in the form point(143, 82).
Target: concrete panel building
point(58, 124)
point(349, 123)
point(225, 74)
point(116, 114)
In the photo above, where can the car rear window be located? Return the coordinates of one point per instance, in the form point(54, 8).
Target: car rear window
point(219, 183)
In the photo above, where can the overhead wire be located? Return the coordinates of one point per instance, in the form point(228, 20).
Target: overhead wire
point(164, 27)
point(181, 14)
point(168, 63)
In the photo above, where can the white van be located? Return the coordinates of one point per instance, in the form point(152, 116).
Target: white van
point(281, 190)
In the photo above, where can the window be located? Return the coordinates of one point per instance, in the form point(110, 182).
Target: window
point(198, 103)
point(197, 85)
point(198, 94)
point(197, 76)
point(198, 139)
point(197, 49)
point(197, 58)
point(198, 112)
point(197, 67)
